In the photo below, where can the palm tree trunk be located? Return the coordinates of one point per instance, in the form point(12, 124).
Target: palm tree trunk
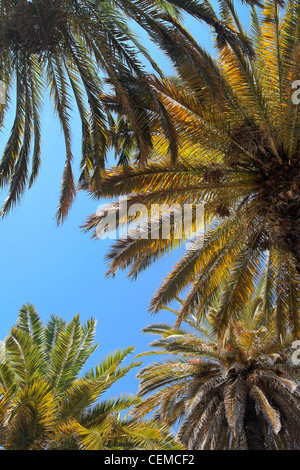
point(294, 248)
point(287, 223)
point(254, 435)
point(284, 206)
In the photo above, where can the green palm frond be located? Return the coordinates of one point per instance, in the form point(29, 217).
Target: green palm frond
point(63, 354)
point(110, 369)
point(48, 402)
point(23, 356)
point(59, 46)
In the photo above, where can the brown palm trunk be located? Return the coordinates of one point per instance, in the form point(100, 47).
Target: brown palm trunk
point(285, 217)
point(294, 249)
point(254, 436)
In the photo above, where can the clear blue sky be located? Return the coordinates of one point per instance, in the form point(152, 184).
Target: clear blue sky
point(61, 270)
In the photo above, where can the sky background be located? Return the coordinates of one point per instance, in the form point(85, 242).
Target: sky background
point(61, 270)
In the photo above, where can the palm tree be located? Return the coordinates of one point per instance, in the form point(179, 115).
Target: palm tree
point(241, 394)
point(60, 45)
point(45, 404)
point(236, 151)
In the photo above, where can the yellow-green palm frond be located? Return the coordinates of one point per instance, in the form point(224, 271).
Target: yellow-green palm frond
point(31, 417)
point(48, 402)
point(110, 368)
point(235, 234)
point(23, 358)
point(200, 268)
point(127, 434)
point(66, 358)
point(237, 127)
point(149, 435)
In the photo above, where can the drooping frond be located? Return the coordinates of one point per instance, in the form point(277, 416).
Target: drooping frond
point(236, 118)
point(231, 396)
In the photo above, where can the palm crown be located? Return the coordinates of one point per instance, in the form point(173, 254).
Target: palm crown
point(235, 149)
point(46, 404)
point(61, 45)
point(239, 394)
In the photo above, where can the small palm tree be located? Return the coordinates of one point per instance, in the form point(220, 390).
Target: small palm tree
point(239, 394)
point(235, 150)
point(46, 404)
